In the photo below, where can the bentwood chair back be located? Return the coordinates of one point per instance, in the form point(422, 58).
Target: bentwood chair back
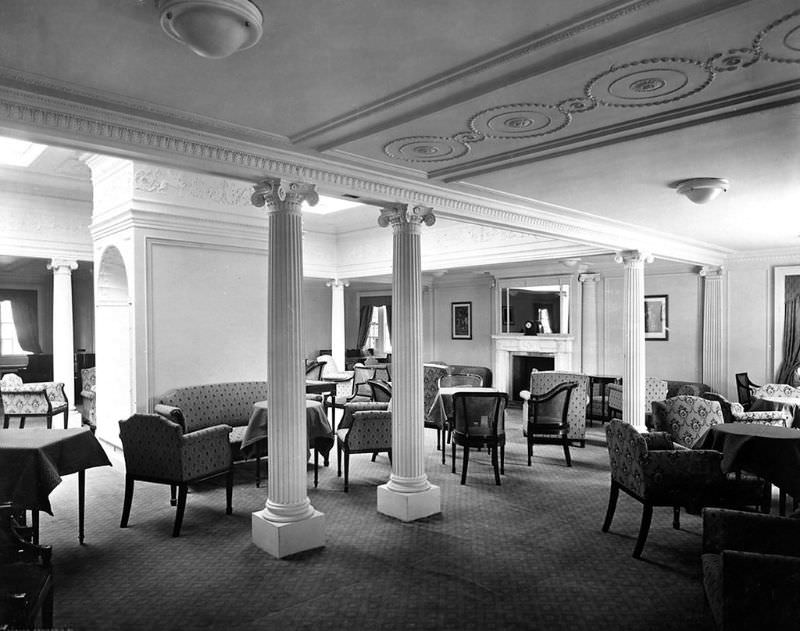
point(547, 420)
point(479, 421)
point(381, 390)
point(744, 389)
point(314, 370)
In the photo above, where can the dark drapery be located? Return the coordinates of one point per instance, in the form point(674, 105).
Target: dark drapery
point(364, 319)
point(25, 311)
point(791, 341)
point(389, 320)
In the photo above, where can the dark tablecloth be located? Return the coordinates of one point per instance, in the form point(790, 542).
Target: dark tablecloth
point(320, 434)
point(768, 451)
point(32, 462)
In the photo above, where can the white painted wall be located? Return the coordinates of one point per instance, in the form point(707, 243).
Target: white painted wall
point(478, 350)
point(317, 300)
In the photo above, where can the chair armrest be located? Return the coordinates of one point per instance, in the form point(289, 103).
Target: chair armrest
point(525, 395)
point(205, 451)
point(750, 532)
point(765, 417)
point(673, 467)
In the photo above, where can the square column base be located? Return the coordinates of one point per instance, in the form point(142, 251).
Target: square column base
point(409, 506)
point(281, 539)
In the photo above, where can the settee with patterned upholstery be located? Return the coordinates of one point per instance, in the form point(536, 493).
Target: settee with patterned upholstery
point(546, 380)
point(32, 400)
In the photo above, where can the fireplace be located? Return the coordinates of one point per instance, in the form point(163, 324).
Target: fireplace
point(543, 352)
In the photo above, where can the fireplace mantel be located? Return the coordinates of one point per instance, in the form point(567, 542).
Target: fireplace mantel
point(557, 346)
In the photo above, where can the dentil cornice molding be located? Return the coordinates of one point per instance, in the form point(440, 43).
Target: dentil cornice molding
point(46, 111)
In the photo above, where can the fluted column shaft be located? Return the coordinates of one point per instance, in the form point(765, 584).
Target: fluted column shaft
point(408, 469)
point(714, 328)
point(287, 498)
point(337, 321)
point(63, 338)
point(634, 366)
point(589, 350)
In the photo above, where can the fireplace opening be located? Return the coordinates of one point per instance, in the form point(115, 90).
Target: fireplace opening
point(521, 367)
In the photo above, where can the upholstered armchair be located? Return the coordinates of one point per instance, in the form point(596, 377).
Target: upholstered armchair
point(733, 412)
point(657, 472)
point(25, 400)
point(89, 407)
point(157, 450)
point(751, 570)
point(544, 381)
point(359, 386)
point(654, 390)
point(366, 431)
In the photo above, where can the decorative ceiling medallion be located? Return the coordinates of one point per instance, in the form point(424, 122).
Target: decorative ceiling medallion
point(649, 82)
point(577, 104)
point(425, 149)
point(780, 41)
point(521, 120)
point(733, 59)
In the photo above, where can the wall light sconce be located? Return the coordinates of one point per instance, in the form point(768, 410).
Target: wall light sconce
point(701, 190)
point(212, 28)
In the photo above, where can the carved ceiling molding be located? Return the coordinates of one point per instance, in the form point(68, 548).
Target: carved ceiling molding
point(635, 84)
point(151, 141)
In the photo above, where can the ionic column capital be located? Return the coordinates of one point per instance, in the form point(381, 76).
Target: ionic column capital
point(62, 265)
point(633, 258)
point(337, 282)
point(278, 194)
point(400, 215)
point(712, 271)
point(588, 277)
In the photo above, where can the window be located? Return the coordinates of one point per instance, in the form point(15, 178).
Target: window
point(9, 344)
point(378, 336)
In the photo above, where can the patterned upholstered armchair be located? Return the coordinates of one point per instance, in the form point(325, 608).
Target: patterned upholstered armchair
point(367, 431)
point(157, 450)
point(733, 412)
point(25, 400)
point(686, 418)
point(544, 381)
point(653, 470)
point(654, 390)
point(751, 570)
point(780, 390)
point(89, 413)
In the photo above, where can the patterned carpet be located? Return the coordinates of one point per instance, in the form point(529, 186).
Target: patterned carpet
point(526, 555)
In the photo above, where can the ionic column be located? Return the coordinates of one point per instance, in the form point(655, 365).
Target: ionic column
point(288, 524)
point(714, 371)
point(63, 342)
point(408, 495)
point(337, 321)
point(589, 351)
point(634, 366)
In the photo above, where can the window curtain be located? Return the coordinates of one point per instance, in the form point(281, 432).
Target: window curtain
point(389, 320)
point(25, 311)
point(364, 319)
point(791, 341)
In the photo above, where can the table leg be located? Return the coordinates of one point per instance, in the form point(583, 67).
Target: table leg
point(81, 501)
point(35, 525)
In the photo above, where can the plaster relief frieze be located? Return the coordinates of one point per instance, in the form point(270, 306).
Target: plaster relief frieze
point(181, 185)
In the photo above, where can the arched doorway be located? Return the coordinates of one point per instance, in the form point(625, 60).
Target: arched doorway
point(113, 344)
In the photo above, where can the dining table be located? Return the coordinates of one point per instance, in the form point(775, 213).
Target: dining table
point(769, 451)
point(790, 405)
point(33, 461)
point(318, 428)
point(441, 411)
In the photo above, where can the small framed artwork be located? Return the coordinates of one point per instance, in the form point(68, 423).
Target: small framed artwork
point(461, 320)
point(656, 318)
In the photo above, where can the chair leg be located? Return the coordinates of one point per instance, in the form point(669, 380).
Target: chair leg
point(47, 609)
point(173, 500)
point(316, 467)
point(530, 448)
point(66, 417)
point(567, 457)
point(229, 491)
point(6, 420)
point(183, 489)
point(346, 471)
point(676, 517)
point(495, 464)
point(126, 503)
point(338, 459)
point(444, 452)
point(612, 505)
point(452, 456)
point(644, 528)
point(374, 455)
point(258, 472)
point(465, 464)
point(502, 459)
point(389, 453)
point(22, 423)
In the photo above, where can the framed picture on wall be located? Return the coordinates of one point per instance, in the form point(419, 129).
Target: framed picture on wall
point(656, 322)
point(461, 320)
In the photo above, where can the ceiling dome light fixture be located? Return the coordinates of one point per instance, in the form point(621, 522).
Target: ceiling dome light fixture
point(701, 190)
point(212, 28)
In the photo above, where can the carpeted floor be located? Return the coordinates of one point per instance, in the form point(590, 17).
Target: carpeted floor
point(526, 555)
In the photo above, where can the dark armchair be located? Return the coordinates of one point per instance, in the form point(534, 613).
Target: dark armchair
point(547, 419)
point(157, 450)
point(26, 576)
point(751, 570)
point(744, 389)
point(479, 421)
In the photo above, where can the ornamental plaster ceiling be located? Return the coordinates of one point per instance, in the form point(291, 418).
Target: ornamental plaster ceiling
point(564, 118)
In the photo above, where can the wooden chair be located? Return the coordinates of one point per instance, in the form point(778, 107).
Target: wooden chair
point(157, 450)
point(479, 421)
point(314, 370)
point(26, 576)
point(547, 419)
point(381, 390)
point(461, 379)
point(744, 389)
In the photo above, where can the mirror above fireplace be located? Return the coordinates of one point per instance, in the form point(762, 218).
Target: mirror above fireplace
point(541, 302)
